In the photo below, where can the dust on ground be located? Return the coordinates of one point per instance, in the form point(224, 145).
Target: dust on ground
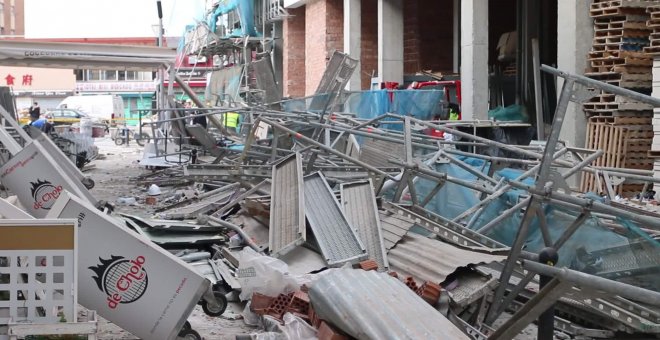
point(113, 175)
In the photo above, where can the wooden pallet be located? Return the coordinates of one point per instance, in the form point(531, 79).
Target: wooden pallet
point(623, 32)
point(618, 76)
point(652, 50)
point(612, 106)
point(616, 11)
point(611, 25)
point(621, 147)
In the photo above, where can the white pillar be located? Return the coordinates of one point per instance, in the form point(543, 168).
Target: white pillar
point(474, 59)
point(390, 40)
point(352, 39)
point(574, 39)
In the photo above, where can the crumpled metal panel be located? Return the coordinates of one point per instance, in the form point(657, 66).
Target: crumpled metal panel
point(427, 259)
point(377, 152)
point(263, 71)
point(373, 305)
point(359, 203)
point(336, 75)
point(335, 236)
point(287, 210)
point(394, 226)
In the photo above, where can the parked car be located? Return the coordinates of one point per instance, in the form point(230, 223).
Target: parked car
point(66, 116)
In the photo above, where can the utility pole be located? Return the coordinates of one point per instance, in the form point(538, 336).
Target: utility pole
point(160, 99)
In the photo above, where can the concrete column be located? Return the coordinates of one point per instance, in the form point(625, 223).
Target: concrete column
point(574, 38)
point(474, 59)
point(390, 40)
point(353, 39)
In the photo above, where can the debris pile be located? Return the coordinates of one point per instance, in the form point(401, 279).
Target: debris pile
point(345, 224)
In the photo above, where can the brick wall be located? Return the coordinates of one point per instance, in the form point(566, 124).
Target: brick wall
point(428, 36)
point(294, 54)
point(323, 36)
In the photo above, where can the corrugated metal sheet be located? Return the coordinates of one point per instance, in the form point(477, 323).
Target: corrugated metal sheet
point(427, 259)
point(359, 204)
point(372, 305)
point(336, 238)
point(287, 212)
point(394, 227)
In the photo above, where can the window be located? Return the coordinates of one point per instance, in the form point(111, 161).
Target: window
point(121, 75)
point(93, 75)
point(147, 76)
point(131, 75)
point(109, 75)
point(80, 76)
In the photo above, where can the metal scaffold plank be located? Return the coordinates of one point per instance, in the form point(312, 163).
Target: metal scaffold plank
point(359, 203)
point(335, 236)
point(287, 211)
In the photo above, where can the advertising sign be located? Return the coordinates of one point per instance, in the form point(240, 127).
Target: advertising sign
point(127, 279)
point(36, 180)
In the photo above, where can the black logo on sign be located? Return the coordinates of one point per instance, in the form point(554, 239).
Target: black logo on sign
point(122, 280)
point(44, 194)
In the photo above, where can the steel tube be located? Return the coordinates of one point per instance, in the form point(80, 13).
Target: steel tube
point(501, 217)
point(326, 148)
point(593, 282)
point(246, 238)
point(602, 86)
point(558, 198)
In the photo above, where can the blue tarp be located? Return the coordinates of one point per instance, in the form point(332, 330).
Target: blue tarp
point(593, 237)
point(246, 13)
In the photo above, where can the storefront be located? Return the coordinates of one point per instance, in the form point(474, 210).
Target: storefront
point(48, 87)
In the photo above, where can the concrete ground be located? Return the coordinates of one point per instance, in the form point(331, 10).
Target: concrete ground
point(112, 174)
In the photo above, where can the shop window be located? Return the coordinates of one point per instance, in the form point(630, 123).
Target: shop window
point(110, 75)
point(93, 75)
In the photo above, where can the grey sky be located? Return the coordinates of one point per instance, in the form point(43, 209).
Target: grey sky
point(107, 18)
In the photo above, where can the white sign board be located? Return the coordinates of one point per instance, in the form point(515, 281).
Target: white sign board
point(36, 179)
point(126, 278)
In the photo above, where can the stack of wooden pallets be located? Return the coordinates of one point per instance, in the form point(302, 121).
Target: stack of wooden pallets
point(620, 126)
point(654, 50)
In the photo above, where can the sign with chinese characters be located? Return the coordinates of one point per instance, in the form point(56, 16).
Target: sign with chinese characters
point(127, 86)
point(30, 79)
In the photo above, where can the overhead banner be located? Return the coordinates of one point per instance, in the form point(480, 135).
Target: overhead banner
point(77, 55)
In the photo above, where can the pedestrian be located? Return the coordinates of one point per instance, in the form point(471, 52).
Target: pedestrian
point(231, 121)
point(40, 123)
point(35, 110)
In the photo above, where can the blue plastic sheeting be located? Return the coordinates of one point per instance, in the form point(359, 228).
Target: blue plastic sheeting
point(627, 254)
point(421, 104)
point(461, 198)
point(246, 14)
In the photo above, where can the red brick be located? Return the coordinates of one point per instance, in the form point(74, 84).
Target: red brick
point(327, 332)
point(260, 303)
point(430, 292)
point(369, 265)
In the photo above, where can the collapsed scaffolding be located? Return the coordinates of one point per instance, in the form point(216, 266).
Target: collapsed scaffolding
point(335, 189)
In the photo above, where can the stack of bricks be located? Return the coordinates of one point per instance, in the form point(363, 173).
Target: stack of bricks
point(620, 126)
point(654, 50)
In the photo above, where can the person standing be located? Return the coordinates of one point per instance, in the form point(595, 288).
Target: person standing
point(35, 110)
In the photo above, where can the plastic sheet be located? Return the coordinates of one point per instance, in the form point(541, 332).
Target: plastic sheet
point(619, 251)
point(246, 13)
point(263, 274)
point(421, 104)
